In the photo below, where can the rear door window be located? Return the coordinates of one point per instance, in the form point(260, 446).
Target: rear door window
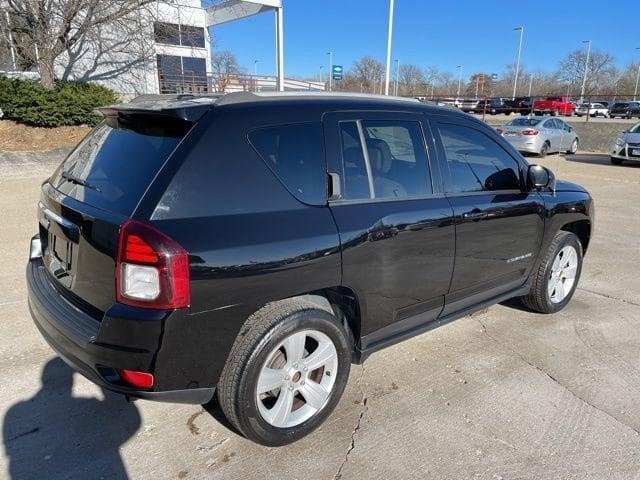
point(112, 167)
point(295, 153)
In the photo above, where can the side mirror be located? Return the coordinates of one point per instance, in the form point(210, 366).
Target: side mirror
point(540, 178)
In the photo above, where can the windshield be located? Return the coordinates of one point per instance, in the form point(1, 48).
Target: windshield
point(524, 122)
point(112, 167)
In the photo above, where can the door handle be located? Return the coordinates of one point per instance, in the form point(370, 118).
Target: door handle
point(475, 215)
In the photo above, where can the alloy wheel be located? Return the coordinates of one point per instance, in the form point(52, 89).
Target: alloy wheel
point(563, 274)
point(297, 379)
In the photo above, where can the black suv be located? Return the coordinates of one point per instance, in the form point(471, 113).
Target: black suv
point(253, 246)
point(625, 110)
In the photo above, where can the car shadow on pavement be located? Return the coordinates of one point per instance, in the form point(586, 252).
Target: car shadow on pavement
point(54, 435)
point(597, 159)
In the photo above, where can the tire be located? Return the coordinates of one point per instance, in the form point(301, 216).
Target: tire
point(262, 340)
point(573, 148)
point(615, 161)
point(544, 150)
point(545, 298)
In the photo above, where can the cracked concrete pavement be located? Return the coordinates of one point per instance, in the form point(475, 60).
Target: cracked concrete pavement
point(503, 394)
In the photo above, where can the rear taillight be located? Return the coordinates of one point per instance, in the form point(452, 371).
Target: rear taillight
point(135, 378)
point(530, 132)
point(152, 270)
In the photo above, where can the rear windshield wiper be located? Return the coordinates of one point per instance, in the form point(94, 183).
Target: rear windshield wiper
point(70, 177)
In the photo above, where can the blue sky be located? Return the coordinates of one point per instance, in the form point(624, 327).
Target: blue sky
point(477, 34)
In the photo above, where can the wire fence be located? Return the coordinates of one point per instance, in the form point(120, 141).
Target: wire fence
point(624, 106)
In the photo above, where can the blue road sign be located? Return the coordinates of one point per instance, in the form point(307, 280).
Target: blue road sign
point(494, 76)
point(336, 72)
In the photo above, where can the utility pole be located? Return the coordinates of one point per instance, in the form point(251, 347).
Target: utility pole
point(255, 68)
point(635, 92)
point(280, 48)
point(515, 80)
point(330, 71)
point(397, 76)
point(586, 69)
point(389, 35)
point(459, 67)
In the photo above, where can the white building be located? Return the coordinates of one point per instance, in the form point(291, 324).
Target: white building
point(163, 48)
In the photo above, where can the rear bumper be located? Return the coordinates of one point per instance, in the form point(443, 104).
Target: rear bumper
point(77, 338)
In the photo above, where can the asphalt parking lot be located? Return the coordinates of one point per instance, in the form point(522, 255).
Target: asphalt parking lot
point(503, 394)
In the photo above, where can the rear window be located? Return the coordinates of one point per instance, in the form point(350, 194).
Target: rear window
point(621, 105)
point(524, 122)
point(295, 154)
point(116, 165)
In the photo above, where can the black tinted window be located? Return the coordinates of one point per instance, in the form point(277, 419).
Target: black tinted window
point(192, 36)
point(168, 33)
point(295, 154)
point(356, 182)
point(475, 162)
point(118, 164)
point(398, 159)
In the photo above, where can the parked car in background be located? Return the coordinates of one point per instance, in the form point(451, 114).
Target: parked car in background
point(540, 135)
point(493, 106)
point(253, 246)
point(521, 105)
point(554, 106)
point(625, 110)
point(627, 146)
point(592, 109)
point(469, 105)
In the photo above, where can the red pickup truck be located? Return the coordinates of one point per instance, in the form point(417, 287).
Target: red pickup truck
point(554, 106)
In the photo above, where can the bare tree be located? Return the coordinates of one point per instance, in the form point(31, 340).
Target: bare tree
point(368, 72)
point(411, 80)
point(224, 66)
point(52, 28)
point(601, 70)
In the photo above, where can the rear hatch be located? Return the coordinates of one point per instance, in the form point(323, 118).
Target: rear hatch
point(98, 186)
point(515, 129)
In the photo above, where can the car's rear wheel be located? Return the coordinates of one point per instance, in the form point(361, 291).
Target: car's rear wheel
point(544, 150)
point(573, 148)
point(615, 161)
point(286, 372)
point(556, 278)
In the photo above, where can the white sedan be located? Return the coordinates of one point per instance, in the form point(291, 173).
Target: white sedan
point(592, 109)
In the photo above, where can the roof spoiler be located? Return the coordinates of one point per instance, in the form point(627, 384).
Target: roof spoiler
point(177, 107)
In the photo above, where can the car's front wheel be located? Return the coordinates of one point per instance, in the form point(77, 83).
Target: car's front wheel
point(286, 372)
point(556, 278)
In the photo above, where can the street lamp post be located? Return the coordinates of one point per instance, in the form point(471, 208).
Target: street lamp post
point(515, 80)
point(255, 68)
point(459, 67)
point(530, 83)
point(395, 92)
point(389, 35)
point(330, 71)
point(586, 69)
point(635, 92)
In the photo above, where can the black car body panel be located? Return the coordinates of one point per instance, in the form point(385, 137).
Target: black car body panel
point(396, 266)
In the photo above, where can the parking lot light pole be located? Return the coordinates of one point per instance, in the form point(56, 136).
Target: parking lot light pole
point(586, 69)
point(530, 83)
point(389, 35)
point(515, 80)
point(330, 71)
point(635, 92)
point(459, 67)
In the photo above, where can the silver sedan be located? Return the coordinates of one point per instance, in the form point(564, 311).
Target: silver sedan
point(627, 146)
point(540, 135)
